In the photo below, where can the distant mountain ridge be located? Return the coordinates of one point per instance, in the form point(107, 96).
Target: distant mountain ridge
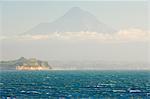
point(75, 20)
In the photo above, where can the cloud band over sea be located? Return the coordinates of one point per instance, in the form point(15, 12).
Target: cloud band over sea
point(120, 36)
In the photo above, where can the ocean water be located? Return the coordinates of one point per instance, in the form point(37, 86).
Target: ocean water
point(75, 85)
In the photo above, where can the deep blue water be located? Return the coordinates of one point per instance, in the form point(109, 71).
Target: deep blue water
point(75, 84)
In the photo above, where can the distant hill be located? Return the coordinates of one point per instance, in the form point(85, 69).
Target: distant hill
point(75, 20)
point(11, 65)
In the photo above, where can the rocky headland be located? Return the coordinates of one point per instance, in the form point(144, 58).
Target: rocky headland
point(25, 64)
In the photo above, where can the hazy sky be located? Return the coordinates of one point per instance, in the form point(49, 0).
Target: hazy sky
point(129, 17)
point(18, 17)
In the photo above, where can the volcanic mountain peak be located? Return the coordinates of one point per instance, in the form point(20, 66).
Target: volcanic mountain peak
point(75, 20)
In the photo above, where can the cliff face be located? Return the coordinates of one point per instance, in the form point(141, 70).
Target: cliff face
point(33, 64)
point(32, 68)
point(25, 64)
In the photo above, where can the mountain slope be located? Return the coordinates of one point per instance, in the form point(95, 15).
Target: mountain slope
point(75, 20)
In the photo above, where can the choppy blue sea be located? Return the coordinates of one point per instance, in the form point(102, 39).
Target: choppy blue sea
point(75, 84)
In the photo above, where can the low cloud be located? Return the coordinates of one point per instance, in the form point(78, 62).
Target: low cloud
point(122, 36)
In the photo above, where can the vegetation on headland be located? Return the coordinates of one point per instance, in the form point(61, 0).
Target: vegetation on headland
point(23, 63)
